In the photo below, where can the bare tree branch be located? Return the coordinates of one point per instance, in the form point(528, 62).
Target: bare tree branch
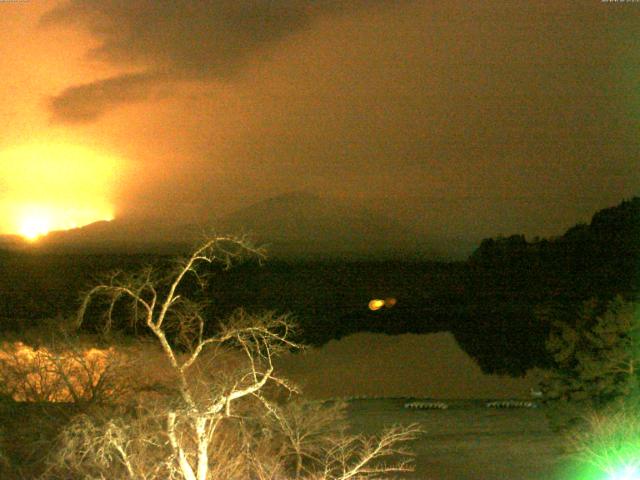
point(253, 436)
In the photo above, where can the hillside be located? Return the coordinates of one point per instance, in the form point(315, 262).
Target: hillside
point(300, 224)
point(591, 259)
point(489, 303)
point(297, 225)
point(510, 279)
point(130, 235)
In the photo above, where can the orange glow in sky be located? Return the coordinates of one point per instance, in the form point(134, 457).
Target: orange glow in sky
point(45, 187)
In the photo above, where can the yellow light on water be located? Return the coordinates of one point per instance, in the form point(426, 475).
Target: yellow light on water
point(45, 187)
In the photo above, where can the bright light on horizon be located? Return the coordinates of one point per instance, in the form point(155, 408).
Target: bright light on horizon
point(54, 187)
point(37, 221)
point(34, 226)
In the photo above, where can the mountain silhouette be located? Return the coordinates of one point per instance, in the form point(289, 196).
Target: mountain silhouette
point(297, 224)
point(127, 234)
point(304, 224)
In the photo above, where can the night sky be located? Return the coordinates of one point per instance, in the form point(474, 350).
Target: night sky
point(462, 118)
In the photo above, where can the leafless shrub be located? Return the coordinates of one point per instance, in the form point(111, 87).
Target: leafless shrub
point(101, 446)
point(609, 440)
point(360, 457)
point(61, 372)
point(301, 431)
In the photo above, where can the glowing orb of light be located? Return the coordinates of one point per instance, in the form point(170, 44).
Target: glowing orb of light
point(45, 187)
point(376, 304)
point(390, 302)
point(34, 226)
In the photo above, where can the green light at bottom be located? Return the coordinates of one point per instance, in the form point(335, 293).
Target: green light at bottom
point(628, 472)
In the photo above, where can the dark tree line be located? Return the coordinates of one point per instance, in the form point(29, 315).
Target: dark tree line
point(491, 302)
point(511, 280)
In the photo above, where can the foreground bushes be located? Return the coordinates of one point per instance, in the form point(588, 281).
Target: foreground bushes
point(596, 361)
point(220, 409)
point(593, 394)
point(609, 441)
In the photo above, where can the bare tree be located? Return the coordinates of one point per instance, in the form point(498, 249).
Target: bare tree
point(316, 437)
point(359, 457)
point(175, 438)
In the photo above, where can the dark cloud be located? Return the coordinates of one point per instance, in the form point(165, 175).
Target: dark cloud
point(175, 40)
point(468, 117)
point(87, 102)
